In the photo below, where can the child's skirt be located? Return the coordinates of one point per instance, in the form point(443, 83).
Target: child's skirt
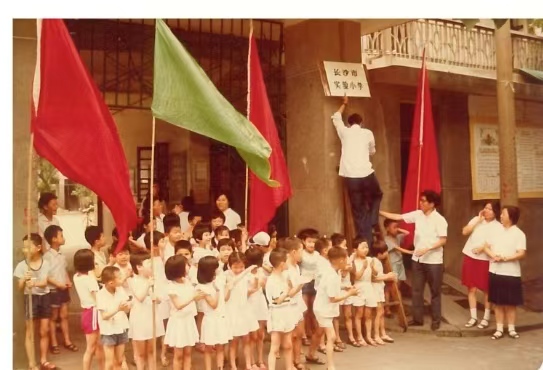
point(181, 332)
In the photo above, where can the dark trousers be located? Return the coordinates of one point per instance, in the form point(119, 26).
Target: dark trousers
point(433, 275)
point(365, 195)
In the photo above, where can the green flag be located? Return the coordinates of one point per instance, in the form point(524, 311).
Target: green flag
point(184, 96)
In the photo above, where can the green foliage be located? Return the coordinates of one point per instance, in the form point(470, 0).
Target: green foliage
point(47, 176)
point(86, 197)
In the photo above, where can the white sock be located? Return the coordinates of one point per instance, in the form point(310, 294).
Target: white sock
point(487, 314)
point(499, 327)
point(473, 312)
point(510, 328)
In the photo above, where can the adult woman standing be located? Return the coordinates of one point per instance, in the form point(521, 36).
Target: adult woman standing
point(232, 218)
point(476, 263)
point(505, 286)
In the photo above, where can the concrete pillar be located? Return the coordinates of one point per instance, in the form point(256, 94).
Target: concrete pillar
point(313, 149)
point(506, 116)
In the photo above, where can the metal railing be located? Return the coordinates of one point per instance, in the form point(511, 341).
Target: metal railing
point(448, 43)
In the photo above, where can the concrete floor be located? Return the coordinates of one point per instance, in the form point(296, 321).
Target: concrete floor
point(410, 352)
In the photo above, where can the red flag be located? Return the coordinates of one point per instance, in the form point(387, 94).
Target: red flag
point(264, 200)
point(73, 128)
point(423, 171)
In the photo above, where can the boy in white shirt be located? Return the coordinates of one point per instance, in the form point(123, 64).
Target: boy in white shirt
point(172, 233)
point(113, 305)
point(329, 295)
point(47, 205)
point(202, 236)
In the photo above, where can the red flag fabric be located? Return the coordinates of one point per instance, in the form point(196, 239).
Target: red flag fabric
point(423, 170)
point(264, 200)
point(73, 128)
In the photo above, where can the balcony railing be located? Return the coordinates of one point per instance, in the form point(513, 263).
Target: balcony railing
point(450, 47)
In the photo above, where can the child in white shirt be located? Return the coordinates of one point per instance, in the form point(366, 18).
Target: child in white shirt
point(184, 248)
point(113, 305)
point(202, 236)
point(122, 262)
point(172, 234)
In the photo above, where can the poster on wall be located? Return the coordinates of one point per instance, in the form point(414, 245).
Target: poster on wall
point(485, 161)
point(340, 79)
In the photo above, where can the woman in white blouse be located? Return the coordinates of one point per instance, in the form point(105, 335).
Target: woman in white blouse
point(476, 263)
point(232, 218)
point(505, 249)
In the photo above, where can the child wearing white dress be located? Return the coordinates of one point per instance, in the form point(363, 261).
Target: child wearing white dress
point(215, 329)
point(225, 247)
point(184, 248)
point(379, 250)
point(280, 321)
point(141, 327)
point(181, 333)
point(366, 301)
point(240, 317)
point(258, 305)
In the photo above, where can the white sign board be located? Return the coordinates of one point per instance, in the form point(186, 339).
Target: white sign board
point(346, 79)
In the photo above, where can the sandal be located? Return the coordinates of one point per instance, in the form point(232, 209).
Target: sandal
point(471, 323)
point(371, 342)
point(483, 324)
point(306, 342)
point(354, 343)
point(362, 342)
point(379, 341)
point(498, 334)
point(337, 348)
point(322, 350)
point(262, 366)
point(71, 347)
point(47, 366)
point(387, 339)
point(513, 334)
point(341, 345)
point(54, 350)
point(314, 360)
point(299, 366)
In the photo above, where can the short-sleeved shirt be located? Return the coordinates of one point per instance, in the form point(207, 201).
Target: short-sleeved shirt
point(231, 219)
point(100, 259)
point(506, 243)
point(308, 266)
point(394, 255)
point(266, 262)
point(428, 230)
point(85, 285)
point(43, 224)
point(57, 263)
point(480, 235)
point(184, 221)
point(184, 292)
point(169, 250)
point(323, 267)
point(293, 274)
point(329, 287)
point(126, 272)
point(276, 286)
point(199, 253)
point(42, 273)
point(107, 302)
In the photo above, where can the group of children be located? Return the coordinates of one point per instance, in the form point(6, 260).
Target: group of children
point(212, 290)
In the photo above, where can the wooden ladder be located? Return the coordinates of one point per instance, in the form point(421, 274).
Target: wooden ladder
point(350, 233)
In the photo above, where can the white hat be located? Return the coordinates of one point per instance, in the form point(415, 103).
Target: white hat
point(261, 238)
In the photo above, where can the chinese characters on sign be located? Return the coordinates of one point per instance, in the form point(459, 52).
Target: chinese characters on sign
point(346, 79)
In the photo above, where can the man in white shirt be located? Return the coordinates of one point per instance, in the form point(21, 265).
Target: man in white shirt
point(357, 145)
point(430, 237)
point(47, 205)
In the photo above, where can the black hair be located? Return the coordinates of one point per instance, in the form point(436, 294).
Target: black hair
point(307, 233)
point(108, 274)
point(224, 242)
point(226, 194)
point(513, 212)
point(92, 234)
point(170, 221)
point(358, 241)
point(136, 259)
point(221, 229)
point(337, 239)
point(336, 253)
point(175, 267)
point(378, 247)
point(51, 232)
point(432, 197)
point(115, 233)
point(277, 256)
point(84, 261)
point(44, 200)
point(192, 214)
point(254, 256)
point(495, 207)
point(35, 239)
point(237, 257)
point(355, 118)
point(281, 243)
point(271, 230)
point(187, 203)
point(125, 248)
point(389, 222)
point(200, 229)
point(292, 243)
point(206, 269)
point(157, 235)
point(182, 244)
point(217, 213)
point(235, 235)
point(322, 243)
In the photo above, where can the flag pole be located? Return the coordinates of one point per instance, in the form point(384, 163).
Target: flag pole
point(421, 126)
point(152, 219)
point(248, 114)
point(32, 359)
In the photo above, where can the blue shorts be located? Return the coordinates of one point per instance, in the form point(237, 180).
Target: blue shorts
point(59, 297)
point(41, 306)
point(114, 339)
point(309, 288)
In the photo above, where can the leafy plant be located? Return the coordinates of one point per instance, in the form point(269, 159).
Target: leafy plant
point(47, 176)
point(85, 196)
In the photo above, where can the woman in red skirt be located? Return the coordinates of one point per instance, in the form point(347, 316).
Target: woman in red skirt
point(476, 262)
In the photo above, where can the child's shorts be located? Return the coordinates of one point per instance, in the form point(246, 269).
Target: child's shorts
point(114, 339)
point(41, 306)
point(324, 322)
point(59, 297)
point(309, 288)
point(89, 320)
